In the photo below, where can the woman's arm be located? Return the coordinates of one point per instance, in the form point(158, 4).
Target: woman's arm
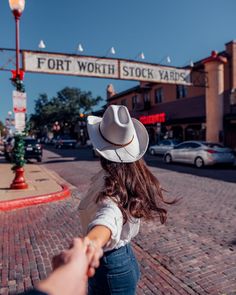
point(100, 235)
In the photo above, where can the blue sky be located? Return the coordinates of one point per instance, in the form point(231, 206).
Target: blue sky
point(184, 29)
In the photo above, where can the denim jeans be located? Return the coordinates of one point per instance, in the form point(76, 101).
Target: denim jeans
point(118, 273)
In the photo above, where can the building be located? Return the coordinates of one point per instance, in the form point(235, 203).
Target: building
point(205, 110)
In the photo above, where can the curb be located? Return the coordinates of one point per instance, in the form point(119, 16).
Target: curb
point(35, 200)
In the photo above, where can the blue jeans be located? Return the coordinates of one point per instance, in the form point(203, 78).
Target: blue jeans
point(118, 273)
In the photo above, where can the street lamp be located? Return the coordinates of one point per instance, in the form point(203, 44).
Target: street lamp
point(17, 7)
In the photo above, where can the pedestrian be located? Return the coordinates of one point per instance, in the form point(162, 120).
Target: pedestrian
point(120, 195)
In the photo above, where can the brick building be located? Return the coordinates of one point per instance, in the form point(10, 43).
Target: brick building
point(202, 112)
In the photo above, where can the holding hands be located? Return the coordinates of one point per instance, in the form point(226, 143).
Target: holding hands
point(72, 268)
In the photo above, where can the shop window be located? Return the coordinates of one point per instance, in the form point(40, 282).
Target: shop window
point(146, 97)
point(181, 91)
point(159, 95)
point(134, 101)
point(124, 102)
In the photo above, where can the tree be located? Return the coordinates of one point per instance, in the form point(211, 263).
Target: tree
point(66, 106)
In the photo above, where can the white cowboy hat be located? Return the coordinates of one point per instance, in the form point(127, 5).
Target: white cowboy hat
point(116, 136)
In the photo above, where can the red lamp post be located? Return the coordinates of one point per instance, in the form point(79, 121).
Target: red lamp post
point(17, 7)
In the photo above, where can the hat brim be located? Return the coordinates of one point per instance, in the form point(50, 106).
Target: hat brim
point(128, 154)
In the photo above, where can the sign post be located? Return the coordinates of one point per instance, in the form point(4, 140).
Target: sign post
point(19, 107)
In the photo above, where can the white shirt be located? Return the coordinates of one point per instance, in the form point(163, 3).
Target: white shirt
point(105, 213)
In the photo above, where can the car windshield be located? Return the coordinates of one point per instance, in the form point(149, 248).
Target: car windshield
point(66, 137)
point(30, 141)
point(175, 141)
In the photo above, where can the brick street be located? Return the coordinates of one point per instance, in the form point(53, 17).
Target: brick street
point(194, 253)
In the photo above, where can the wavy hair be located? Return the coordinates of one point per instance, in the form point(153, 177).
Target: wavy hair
point(135, 190)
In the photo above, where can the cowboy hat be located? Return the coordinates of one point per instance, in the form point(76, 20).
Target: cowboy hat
point(116, 136)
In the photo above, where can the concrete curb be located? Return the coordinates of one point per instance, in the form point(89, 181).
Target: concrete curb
point(66, 191)
point(35, 200)
point(58, 178)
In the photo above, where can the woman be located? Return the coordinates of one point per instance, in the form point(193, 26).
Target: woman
point(122, 193)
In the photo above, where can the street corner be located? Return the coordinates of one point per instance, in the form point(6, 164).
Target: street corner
point(43, 187)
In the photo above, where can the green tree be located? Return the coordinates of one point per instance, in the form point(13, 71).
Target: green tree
point(66, 106)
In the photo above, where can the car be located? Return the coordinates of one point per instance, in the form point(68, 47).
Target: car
point(8, 148)
point(200, 153)
point(33, 149)
point(65, 141)
point(163, 146)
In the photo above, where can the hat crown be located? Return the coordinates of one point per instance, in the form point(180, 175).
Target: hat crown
point(116, 125)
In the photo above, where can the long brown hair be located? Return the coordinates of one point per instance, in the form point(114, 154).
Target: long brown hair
point(136, 191)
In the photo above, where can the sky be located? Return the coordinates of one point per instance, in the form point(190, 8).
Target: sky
point(185, 30)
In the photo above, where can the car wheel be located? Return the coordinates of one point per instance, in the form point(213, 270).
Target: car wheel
point(152, 152)
point(39, 159)
point(199, 163)
point(168, 158)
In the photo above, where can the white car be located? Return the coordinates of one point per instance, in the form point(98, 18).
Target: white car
point(200, 153)
point(163, 146)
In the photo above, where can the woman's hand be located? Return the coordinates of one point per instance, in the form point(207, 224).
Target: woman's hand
point(96, 252)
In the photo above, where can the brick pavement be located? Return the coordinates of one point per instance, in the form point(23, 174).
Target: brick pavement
point(194, 253)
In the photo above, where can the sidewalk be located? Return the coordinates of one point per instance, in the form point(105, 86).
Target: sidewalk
point(43, 187)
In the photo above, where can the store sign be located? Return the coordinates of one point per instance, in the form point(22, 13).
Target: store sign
point(52, 63)
point(152, 119)
point(19, 101)
point(19, 122)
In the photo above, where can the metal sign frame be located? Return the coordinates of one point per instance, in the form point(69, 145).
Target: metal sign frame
point(141, 71)
point(103, 67)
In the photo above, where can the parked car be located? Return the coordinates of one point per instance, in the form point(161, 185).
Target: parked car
point(163, 146)
point(65, 141)
point(33, 149)
point(8, 148)
point(200, 153)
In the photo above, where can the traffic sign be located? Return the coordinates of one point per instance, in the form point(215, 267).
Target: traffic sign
point(19, 101)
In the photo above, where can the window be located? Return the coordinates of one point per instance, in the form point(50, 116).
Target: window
point(124, 102)
point(165, 142)
point(181, 91)
point(181, 146)
point(194, 145)
point(134, 101)
point(159, 95)
point(146, 97)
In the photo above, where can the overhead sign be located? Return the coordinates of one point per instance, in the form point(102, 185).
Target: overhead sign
point(70, 65)
point(20, 122)
point(19, 101)
point(153, 73)
point(52, 63)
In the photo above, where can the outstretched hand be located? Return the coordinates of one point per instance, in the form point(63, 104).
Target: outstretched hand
point(92, 251)
point(72, 268)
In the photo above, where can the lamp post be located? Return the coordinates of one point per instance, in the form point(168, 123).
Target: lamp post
point(17, 7)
